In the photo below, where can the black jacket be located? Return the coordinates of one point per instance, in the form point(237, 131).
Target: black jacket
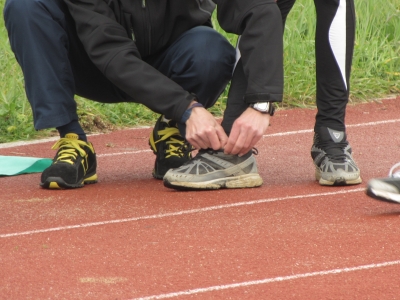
point(118, 34)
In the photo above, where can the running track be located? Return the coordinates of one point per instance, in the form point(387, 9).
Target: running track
point(128, 237)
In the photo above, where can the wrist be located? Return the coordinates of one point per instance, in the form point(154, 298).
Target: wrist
point(188, 112)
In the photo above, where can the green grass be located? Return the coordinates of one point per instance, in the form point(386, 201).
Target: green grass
point(375, 72)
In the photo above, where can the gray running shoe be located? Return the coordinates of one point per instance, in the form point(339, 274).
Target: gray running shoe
point(333, 160)
point(386, 189)
point(211, 170)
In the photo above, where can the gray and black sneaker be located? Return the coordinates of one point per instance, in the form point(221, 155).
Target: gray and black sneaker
point(386, 189)
point(333, 160)
point(170, 148)
point(211, 170)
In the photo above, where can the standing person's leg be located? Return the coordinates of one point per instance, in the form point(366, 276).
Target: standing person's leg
point(201, 61)
point(55, 67)
point(334, 44)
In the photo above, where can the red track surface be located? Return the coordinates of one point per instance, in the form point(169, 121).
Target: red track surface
point(129, 237)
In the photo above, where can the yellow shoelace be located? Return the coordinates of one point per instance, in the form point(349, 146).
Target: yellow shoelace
point(69, 149)
point(174, 144)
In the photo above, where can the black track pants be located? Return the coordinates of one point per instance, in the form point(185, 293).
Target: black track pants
point(334, 44)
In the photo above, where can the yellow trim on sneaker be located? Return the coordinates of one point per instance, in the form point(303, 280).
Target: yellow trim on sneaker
point(91, 179)
point(54, 185)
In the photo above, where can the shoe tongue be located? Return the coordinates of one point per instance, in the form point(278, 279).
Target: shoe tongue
point(332, 142)
point(72, 136)
point(327, 134)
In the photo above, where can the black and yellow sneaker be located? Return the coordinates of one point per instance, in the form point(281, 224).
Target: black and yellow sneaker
point(73, 166)
point(169, 146)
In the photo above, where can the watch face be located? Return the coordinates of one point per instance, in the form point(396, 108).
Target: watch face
point(262, 106)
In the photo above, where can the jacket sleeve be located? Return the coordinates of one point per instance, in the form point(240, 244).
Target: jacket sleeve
point(115, 54)
point(259, 24)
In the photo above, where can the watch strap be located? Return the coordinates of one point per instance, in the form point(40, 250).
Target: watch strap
point(188, 112)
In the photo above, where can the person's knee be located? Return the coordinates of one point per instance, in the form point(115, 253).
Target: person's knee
point(19, 9)
point(212, 56)
point(211, 46)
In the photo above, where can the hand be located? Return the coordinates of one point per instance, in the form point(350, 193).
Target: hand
point(203, 131)
point(246, 131)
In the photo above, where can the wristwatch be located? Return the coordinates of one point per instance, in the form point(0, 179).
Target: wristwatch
point(264, 107)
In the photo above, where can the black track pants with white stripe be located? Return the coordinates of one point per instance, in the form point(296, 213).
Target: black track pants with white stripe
point(334, 44)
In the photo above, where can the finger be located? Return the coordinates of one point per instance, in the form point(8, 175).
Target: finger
point(231, 139)
point(238, 144)
point(202, 141)
point(193, 142)
point(214, 140)
point(223, 138)
point(250, 142)
point(196, 141)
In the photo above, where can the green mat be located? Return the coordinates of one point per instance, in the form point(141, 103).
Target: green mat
point(16, 165)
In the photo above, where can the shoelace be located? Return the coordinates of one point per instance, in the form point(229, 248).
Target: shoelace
point(392, 169)
point(69, 150)
point(334, 152)
point(176, 144)
point(211, 151)
point(186, 148)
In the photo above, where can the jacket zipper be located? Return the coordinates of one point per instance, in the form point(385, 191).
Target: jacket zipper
point(147, 23)
point(132, 34)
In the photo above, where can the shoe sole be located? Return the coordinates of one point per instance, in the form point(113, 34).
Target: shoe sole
point(337, 181)
point(59, 183)
point(236, 182)
point(383, 196)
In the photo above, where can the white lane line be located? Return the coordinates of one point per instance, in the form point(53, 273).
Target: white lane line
point(123, 153)
point(21, 143)
point(270, 280)
point(180, 213)
point(54, 138)
point(40, 141)
point(347, 126)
